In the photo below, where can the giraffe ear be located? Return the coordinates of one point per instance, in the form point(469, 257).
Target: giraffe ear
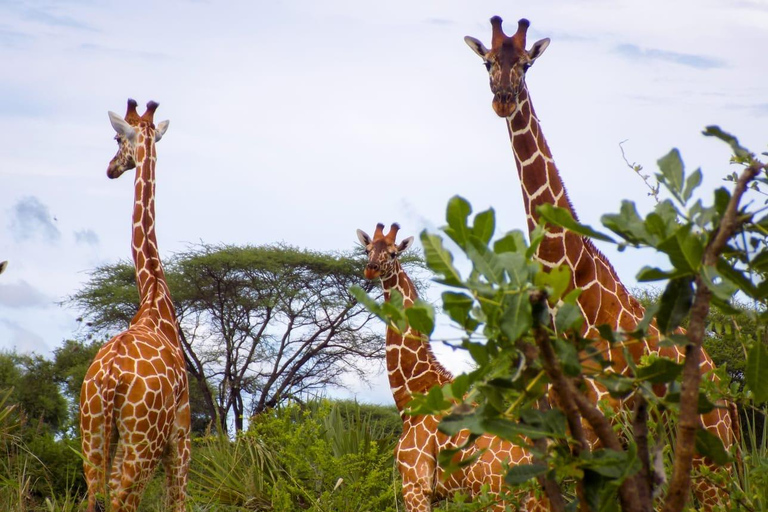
point(363, 237)
point(121, 126)
point(538, 48)
point(162, 127)
point(404, 245)
point(476, 46)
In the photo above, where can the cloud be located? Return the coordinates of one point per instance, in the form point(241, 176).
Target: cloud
point(439, 21)
point(11, 38)
point(22, 295)
point(55, 20)
point(123, 53)
point(634, 52)
point(21, 339)
point(86, 236)
point(30, 217)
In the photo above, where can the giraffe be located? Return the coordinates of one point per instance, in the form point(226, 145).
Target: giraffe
point(605, 299)
point(134, 403)
point(413, 368)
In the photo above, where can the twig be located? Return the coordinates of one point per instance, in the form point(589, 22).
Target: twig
point(688, 424)
point(654, 191)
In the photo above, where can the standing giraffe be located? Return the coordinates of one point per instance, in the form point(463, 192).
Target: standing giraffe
point(413, 368)
point(134, 403)
point(605, 299)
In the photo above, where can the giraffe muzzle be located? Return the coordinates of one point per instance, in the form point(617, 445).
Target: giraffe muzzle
point(504, 104)
point(372, 271)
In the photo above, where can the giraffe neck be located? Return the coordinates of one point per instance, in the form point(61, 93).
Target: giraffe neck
point(539, 177)
point(411, 365)
point(155, 298)
point(604, 299)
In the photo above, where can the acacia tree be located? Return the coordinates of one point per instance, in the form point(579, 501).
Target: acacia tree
point(523, 331)
point(259, 325)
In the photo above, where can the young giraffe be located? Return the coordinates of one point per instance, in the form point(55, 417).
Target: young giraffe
point(134, 403)
point(604, 300)
point(412, 368)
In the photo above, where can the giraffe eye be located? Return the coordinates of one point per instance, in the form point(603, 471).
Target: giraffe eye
point(487, 65)
point(393, 254)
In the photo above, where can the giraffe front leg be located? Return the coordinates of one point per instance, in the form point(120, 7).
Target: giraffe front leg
point(417, 469)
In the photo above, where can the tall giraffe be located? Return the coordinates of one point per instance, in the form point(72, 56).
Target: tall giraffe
point(605, 299)
point(134, 403)
point(413, 368)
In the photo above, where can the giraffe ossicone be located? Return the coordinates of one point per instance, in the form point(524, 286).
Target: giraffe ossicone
point(413, 368)
point(134, 402)
point(604, 299)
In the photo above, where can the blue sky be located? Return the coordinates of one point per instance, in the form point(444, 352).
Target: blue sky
point(301, 121)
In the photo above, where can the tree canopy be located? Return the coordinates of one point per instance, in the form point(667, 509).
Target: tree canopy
point(259, 324)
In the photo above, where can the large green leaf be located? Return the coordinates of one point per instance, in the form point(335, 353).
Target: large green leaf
point(421, 316)
point(556, 280)
point(458, 306)
point(684, 249)
point(484, 225)
point(484, 260)
point(691, 183)
point(659, 371)
point(456, 214)
point(439, 259)
point(710, 446)
point(514, 241)
point(675, 303)
point(521, 473)
point(756, 371)
point(563, 218)
point(629, 225)
point(672, 172)
point(719, 285)
point(738, 149)
point(516, 318)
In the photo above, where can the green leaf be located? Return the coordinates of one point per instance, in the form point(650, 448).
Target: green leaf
point(617, 385)
point(514, 241)
point(684, 249)
point(693, 181)
point(457, 214)
point(563, 218)
point(647, 274)
point(363, 298)
point(675, 303)
point(672, 173)
point(458, 306)
point(484, 260)
point(568, 356)
point(521, 473)
point(611, 463)
point(484, 225)
point(568, 317)
point(452, 424)
point(557, 280)
point(421, 316)
point(516, 318)
point(756, 371)
point(552, 422)
point(629, 225)
point(659, 371)
point(439, 259)
point(721, 287)
point(710, 446)
point(738, 149)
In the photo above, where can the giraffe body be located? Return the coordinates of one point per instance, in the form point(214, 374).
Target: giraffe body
point(604, 299)
point(134, 403)
point(413, 368)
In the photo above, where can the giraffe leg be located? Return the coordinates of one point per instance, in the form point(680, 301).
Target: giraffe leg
point(176, 465)
point(133, 468)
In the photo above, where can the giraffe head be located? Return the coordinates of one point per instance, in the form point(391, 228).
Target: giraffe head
point(382, 250)
point(129, 132)
point(506, 62)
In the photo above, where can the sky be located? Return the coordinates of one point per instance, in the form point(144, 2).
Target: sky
point(301, 121)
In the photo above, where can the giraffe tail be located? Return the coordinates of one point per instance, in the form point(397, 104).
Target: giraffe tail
point(733, 412)
point(108, 391)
